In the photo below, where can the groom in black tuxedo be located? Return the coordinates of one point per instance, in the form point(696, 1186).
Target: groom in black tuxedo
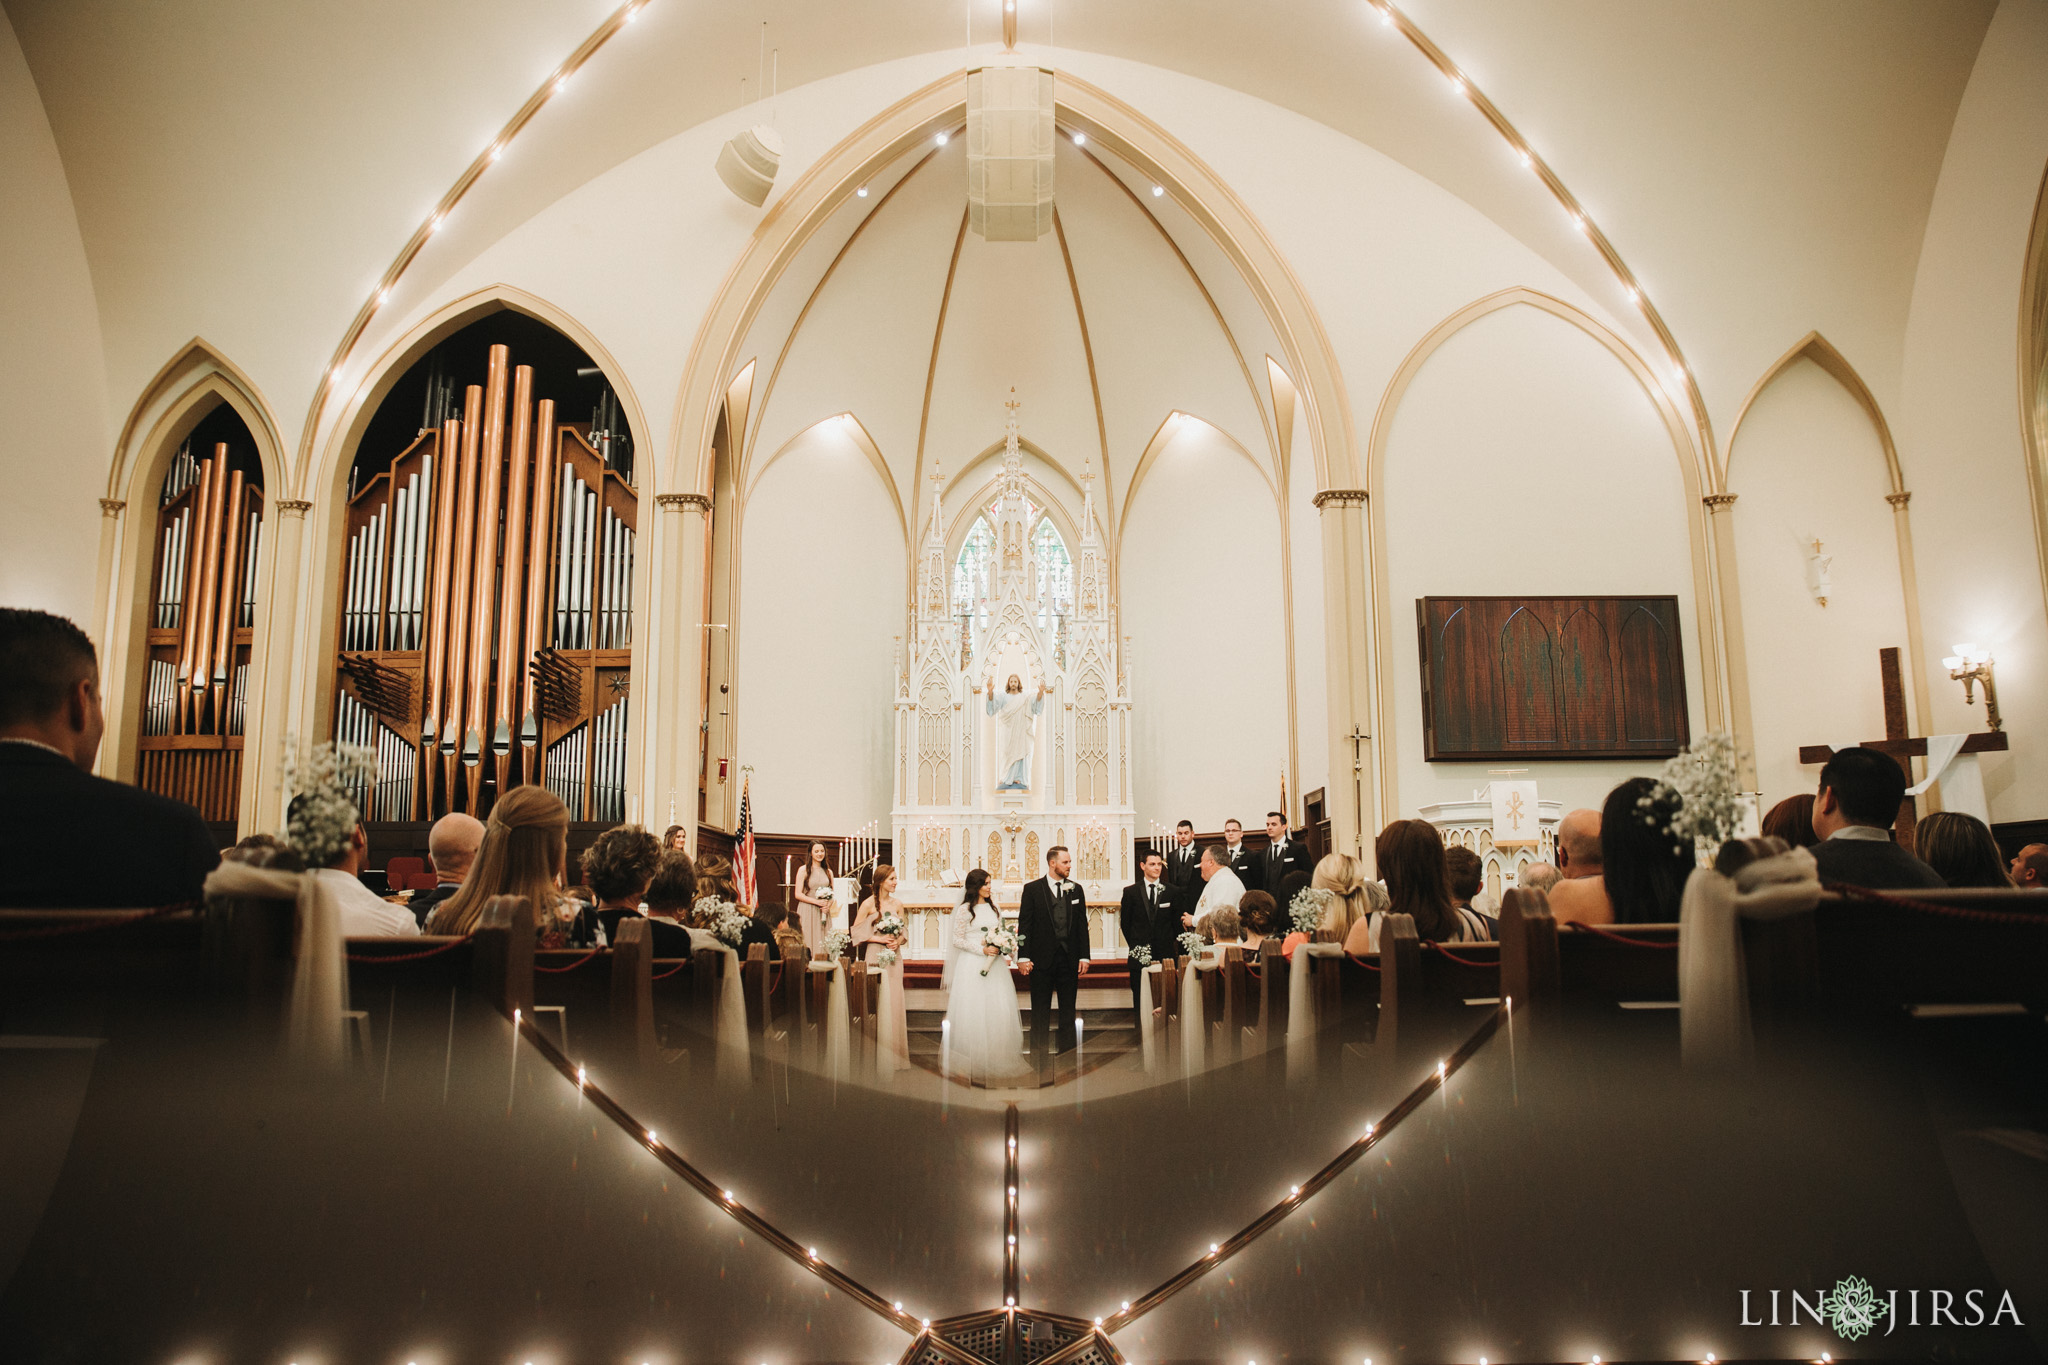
point(1052, 926)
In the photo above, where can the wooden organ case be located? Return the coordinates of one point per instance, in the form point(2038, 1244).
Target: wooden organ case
point(202, 607)
point(486, 618)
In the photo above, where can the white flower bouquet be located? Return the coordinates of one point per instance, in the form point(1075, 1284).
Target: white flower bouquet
point(1190, 944)
point(823, 893)
point(326, 775)
point(890, 925)
point(1142, 954)
point(887, 958)
point(836, 944)
point(723, 918)
point(1704, 786)
point(1305, 912)
point(1004, 941)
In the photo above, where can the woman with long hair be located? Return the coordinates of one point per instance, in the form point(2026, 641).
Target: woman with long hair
point(1961, 849)
point(1410, 854)
point(675, 838)
point(714, 878)
point(524, 852)
point(986, 1032)
point(812, 880)
point(892, 1039)
point(1644, 865)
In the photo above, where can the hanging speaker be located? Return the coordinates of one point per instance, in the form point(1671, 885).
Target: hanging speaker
point(747, 164)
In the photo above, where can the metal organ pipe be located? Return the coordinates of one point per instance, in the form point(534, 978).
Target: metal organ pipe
point(484, 568)
point(512, 612)
point(537, 575)
point(209, 586)
point(444, 560)
point(230, 600)
point(464, 554)
point(188, 611)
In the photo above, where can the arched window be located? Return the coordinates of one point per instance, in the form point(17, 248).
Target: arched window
point(1055, 572)
point(971, 572)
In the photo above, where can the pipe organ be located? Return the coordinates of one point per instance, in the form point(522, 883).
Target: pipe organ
point(202, 620)
point(486, 619)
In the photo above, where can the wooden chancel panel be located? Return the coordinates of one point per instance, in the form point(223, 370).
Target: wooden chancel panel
point(1551, 677)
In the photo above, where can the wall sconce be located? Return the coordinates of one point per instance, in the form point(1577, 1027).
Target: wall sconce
point(1970, 665)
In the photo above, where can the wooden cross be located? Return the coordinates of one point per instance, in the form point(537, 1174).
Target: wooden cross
point(1899, 744)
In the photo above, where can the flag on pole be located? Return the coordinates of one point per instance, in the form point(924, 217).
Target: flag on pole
point(745, 884)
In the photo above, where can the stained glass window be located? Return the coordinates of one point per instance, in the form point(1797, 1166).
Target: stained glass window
point(971, 571)
point(1055, 570)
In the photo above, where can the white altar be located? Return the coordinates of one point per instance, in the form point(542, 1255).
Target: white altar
point(1012, 707)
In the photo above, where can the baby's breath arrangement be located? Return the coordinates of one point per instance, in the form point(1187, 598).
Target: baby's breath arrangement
point(723, 918)
point(327, 776)
point(1305, 912)
point(1190, 943)
point(1703, 786)
point(1142, 955)
point(836, 944)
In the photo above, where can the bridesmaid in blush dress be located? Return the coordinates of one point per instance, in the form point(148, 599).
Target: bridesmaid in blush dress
point(892, 1036)
point(815, 910)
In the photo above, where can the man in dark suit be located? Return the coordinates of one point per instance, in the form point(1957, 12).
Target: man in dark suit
point(1184, 861)
point(1283, 854)
point(1052, 926)
point(1861, 791)
point(451, 847)
point(69, 840)
point(1150, 918)
point(1245, 863)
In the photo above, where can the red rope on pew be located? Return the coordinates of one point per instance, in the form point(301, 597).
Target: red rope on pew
point(571, 966)
point(1461, 961)
point(113, 922)
point(408, 957)
point(673, 970)
point(1369, 966)
point(1864, 893)
point(1618, 938)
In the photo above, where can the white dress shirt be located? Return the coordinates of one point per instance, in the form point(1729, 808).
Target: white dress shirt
point(364, 914)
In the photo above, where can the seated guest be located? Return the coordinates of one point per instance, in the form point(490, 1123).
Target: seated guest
point(364, 913)
point(74, 841)
point(451, 848)
point(1351, 901)
point(1792, 821)
point(1859, 798)
point(1258, 918)
point(1411, 858)
point(524, 850)
point(1643, 867)
point(1467, 876)
point(714, 878)
point(619, 865)
point(760, 928)
point(1580, 896)
point(788, 938)
point(265, 851)
point(1225, 930)
point(669, 899)
point(2030, 868)
point(1537, 877)
point(1961, 849)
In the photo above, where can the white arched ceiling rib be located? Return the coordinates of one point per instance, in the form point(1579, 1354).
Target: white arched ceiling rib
point(862, 340)
point(1159, 345)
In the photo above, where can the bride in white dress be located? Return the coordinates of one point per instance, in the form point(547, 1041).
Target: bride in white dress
point(987, 1036)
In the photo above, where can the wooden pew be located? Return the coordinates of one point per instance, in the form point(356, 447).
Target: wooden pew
point(754, 987)
point(632, 987)
point(1951, 947)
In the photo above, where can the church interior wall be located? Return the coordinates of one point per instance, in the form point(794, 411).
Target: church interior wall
point(1525, 460)
point(814, 686)
point(1806, 463)
point(1201, 582)
point(1311, 662)
point(52, 367)
point(1958, 430)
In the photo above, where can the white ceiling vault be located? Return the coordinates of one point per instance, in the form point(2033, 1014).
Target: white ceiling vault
point(246, 171)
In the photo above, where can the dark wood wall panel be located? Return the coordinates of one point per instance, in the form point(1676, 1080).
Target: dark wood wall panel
point(1551, 677)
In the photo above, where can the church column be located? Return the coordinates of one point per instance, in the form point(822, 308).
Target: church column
point(112, 673)
point(1346, 609)
point(678, 686)
point(1721, 521)
point(265, 726)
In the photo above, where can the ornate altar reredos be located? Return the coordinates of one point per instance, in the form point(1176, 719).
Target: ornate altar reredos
point(992, 772)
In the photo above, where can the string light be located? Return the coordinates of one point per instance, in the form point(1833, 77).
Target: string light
point(1523, 153)
point(1386, 18)
point(940, 139)
point(1440, 1070)
point(1080, 139)
point(651, 1139)
point(561, 82)
point(632, 13)
point(1158, 190)
point(497, 150)
point(1213, 1248)
point(862, 192)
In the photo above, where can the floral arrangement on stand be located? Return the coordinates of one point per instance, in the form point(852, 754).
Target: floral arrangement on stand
point(1142, 954)
point(327, 776)
point(723, 918)
point(1190, 944)
point(1004, 941)
point(837, 944)
point(1305, 912)
point(1698, 796)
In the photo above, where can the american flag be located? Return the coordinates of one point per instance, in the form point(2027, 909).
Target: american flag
point(745, 884)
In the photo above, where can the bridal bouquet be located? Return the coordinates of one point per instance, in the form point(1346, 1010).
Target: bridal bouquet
point(1191, 944)
point(1005, 943)
point(1307, 909)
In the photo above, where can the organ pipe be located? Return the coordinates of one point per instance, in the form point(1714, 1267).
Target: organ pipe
point(511, 644)
point(458, 599)
point(484, 572)
point(437, 610)
point(230, 589)
point(537, 570)
point(189, 608)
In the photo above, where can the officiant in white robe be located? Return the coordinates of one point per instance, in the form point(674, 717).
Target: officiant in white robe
point(1016, 718)
point(1221, 888)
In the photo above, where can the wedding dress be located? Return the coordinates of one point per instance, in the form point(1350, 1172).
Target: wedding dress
point(986, 1034)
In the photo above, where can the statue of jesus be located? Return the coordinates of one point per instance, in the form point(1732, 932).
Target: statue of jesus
point(1016, 718)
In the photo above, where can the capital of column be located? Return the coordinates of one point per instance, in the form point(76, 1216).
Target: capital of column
point(1898, 499)
point(112, 507)
point(294, 507)
point(674, 502)
point(1716, 501)
point(1340, 497)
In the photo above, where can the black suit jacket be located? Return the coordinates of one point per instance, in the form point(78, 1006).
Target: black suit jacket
point(1293, 858)
point(1183, 867)
point(423, 902)
point(1038, 937)
point(1159, 931)
point(1250, 868)
point(1872, 865)
point(72, 841)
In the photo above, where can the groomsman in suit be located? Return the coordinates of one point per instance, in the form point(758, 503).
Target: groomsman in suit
point(1184, 863)
point(1283, 854)
point(1149, 919)
point(1052, 925)
point(1245, 863)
